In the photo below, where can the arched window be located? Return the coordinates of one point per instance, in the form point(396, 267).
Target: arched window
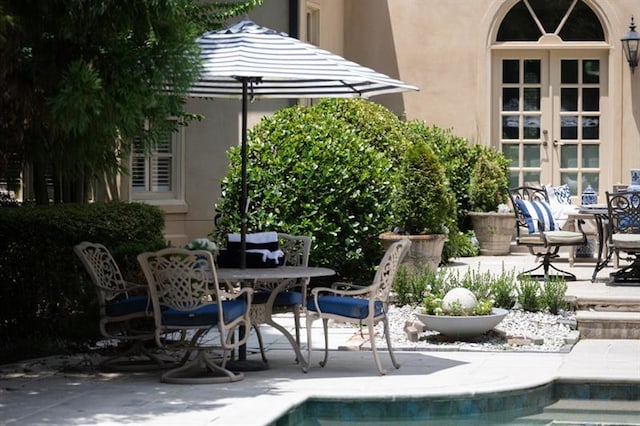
point(570, 20)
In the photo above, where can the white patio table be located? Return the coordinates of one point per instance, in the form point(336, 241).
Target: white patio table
point(261, 314)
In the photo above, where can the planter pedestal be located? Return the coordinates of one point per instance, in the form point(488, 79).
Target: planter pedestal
point(425, 249)
point(494, 232)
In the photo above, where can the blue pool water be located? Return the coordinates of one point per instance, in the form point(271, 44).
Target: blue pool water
point(559, 403)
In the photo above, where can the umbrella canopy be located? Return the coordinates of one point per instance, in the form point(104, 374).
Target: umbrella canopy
point(279, 66)
point(246, 61)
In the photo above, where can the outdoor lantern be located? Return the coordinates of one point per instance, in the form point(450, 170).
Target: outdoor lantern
point(631, 44)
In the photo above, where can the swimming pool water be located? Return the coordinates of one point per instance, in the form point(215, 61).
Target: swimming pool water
point(508, 408)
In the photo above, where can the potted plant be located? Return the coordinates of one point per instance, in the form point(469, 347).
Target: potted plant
point(422, 205)
point(463, 306)
point(491, 218)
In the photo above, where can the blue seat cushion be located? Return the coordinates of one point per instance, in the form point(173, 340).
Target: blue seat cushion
point(206, 315)
point(285, 298)
point(350, 307)
point(128, 306)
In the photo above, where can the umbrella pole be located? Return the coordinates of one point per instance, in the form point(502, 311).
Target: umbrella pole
point(243, 196)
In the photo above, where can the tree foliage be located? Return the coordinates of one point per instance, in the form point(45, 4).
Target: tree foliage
point(79, 80)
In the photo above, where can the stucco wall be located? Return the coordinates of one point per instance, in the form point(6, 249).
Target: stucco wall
point(440, 46)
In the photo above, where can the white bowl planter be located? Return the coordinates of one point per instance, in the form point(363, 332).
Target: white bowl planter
point(463, 326)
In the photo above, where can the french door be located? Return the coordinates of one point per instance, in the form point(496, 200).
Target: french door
point(549, 115)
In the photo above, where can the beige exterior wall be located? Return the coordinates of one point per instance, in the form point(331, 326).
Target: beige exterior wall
point(444, 48)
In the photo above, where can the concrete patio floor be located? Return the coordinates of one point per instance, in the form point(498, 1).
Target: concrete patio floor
point(38, 393)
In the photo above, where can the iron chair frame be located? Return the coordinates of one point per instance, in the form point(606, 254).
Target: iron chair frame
point(544, 245)
point(183, 284)
point(376, 296)
point(624, 235)
point(112, 289)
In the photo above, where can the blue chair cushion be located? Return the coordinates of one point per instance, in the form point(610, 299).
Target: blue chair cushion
point(285, 298)
point(350, 307)
point(128, 306)
point(205, 315)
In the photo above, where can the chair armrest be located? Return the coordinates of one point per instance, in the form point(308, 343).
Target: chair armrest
point(315, 292)
point(346, 286)
point(236, 293)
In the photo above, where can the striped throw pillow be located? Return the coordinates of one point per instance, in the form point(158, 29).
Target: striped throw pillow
point(537, 213)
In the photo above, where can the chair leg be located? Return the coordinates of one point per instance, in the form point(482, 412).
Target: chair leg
point(372, 341)
point(136, 358)
point(201, 370)
point(628, 275)
point(309, 322)
point(325, 328)
point(256, 327)
point(546, 265)
point(389, 347)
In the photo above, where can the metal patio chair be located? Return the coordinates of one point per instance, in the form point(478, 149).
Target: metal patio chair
point(367, 305)
point(187, 298)
point(537, 230)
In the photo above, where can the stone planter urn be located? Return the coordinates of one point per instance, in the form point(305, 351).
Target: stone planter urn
point(462, 326)
point(494, 232)
point(426, 250)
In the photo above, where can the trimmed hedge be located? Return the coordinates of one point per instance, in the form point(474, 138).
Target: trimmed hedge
point(44, 289)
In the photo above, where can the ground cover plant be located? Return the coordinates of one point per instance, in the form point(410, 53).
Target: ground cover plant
point(422, 287)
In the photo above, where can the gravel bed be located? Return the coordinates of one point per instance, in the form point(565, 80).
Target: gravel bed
point(518, 331)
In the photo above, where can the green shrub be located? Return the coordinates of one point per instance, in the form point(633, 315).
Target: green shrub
point(409, 284)
point(553, 295)
point(529, 294)
point(45, 291)
point(503, 289)
point(489, 181)
point(457, 156)
point(422, 202)
point(323, 171)
point(481, 284)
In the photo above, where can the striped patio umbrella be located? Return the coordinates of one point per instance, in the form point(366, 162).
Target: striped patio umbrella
point(248, 61)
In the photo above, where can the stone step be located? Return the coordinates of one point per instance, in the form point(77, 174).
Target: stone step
point(627, 303)
point(586, 411)
point(608, 324)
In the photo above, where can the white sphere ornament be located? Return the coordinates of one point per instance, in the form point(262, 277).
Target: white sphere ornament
point(464, 298)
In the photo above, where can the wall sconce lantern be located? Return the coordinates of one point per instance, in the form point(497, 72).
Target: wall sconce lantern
point(631, 45)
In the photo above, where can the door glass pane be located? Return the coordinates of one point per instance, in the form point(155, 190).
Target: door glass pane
point(514, 178)
point(510, 152)
point(569, 99)
point(590, 99)
point(510, 99)
point(532, 99)
point(531, 127)
point(569, 71)
point(510, 127)
point(569, 127)
point(531, 178)
point(590, 156)
point(531, 71)
point(591, 71)
point(570, 179)
point(511, 71)
point(592, 179)
point(590, 128)
point(531, 155)
point(569, 156)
